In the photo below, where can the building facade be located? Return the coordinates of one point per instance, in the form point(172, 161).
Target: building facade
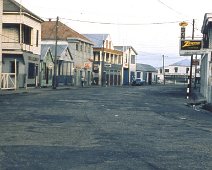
point(147, 73)
point(129, 63)
point(21, 37)
point(206, 59)
point(177, 72)
point(80, 48)
point(107, 61)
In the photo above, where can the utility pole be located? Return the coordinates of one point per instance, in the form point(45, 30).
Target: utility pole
point(103, 62)
point(164, 80)
point(190, 78)
point(55, 57)
point(1, 15)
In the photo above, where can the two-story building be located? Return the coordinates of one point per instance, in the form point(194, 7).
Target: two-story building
point(21, 37)
point(107, 61)
point(177, 72)
point(129, 63)
point(79, 46)
point(206, 60)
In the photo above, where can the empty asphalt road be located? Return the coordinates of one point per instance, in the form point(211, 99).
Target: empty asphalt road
point(106, 128)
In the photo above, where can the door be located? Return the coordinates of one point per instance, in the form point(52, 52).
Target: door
point(126, 77)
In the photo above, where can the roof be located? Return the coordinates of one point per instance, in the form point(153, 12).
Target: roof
point(13, 6)
point(64, 32)
point(44, 49)
point(97, 39)
point(60, 49)
point(185, 63)
point(124, 48)
point(145, 68)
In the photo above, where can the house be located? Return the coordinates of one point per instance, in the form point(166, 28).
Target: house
point(21, 37)
point(147, 73)
point(177, 72)
point(107, 61)
point(129, 63)
point(206, 59)
point(79, 46)
point(46, 66)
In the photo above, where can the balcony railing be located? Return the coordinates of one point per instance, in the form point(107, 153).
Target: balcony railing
point(17, 46)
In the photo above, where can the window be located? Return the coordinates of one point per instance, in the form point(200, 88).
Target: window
point(77, 47)
point(26, 34)
point(132, 59)
point(187, 70)
point(138, 75)
point(176, 69)
point(161, 71)
point(31, 70)
point(166, 70)
point(37, 38)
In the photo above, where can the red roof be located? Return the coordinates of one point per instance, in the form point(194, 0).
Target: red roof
point(49, 28)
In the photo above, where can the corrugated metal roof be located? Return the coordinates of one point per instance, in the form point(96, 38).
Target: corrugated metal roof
point(64, 32)
point(44, 49)
point(145, 68)
point(60, 49)
point(13, 6)
point(97, 39)
point(124, 48)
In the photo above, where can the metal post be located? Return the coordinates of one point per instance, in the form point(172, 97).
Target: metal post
point(190, 78)
point(55, 57)
point(164, 81)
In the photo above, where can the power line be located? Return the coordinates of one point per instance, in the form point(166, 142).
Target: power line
point(169, 7)
point(124, 24)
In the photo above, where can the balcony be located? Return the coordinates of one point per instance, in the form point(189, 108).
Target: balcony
point(15, 46)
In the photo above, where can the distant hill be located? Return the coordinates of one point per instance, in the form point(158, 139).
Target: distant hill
point(185, 62)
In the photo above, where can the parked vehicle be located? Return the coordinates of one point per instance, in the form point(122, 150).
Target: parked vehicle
point(138, 82)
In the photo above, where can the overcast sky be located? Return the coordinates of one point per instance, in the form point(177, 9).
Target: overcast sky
point(151, 26)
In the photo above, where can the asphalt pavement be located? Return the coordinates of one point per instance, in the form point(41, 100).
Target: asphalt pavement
point(104, 128)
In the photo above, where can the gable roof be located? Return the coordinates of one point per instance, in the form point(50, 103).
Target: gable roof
point(14, 6)
point(60, 49)
point(48, 29)
point(145, 68)
point(97, 39)
point(125, 48)
point(44, 50)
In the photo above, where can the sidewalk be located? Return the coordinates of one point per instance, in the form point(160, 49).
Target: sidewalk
point(35, 90)
point(41, 89)
point(198, 100)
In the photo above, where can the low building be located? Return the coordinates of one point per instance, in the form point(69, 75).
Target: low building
point(46, 66)
point(21, 37)
point(107, 61)
point(147, 73)
point(65, 65)
point(206, 60)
